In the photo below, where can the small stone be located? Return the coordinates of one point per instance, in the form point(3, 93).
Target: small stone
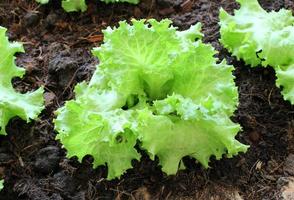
point(31, 18)
point(47, 159)
point(51, 20)
point(63, 68)
point(60, 62)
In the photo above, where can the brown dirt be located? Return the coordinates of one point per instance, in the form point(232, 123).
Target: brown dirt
point(58, 56)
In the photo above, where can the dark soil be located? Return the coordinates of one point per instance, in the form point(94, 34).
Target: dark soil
point(58, 56)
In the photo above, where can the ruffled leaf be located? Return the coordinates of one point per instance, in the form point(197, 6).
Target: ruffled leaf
point(258, 37)
point(107, 136)
point(286, 80)
point(1, 184)
point(156, 85)
point(26, 106)
point(74, 5)
point(171, 138)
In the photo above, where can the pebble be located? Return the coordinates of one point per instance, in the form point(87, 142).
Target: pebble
point(47, 159)
point(31, 18)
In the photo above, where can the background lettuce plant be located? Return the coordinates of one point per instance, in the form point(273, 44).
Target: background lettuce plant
point(156, 87)
point(1, 184)
point(80, 5)
point(26, 106)
point(262, 38)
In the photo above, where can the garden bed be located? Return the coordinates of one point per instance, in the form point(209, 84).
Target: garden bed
point(58, 45)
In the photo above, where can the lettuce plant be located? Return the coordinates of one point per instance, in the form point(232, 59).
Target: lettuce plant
point(262, 38)
point(1, 184)
point(42, 1)
point(80, 5)
point(156, 87)
point(26, 106)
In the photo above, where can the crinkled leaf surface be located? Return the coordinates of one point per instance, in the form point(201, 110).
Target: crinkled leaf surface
point(104, 135)
point(285, 78)
point(26, 106)
point(157, 85)
point(259, 37)
point(171, 138)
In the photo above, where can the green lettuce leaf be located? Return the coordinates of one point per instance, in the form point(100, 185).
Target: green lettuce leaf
point(135, 61)
point(26, 106)
point(1, 184)
point(74, 5)
point(171, 138)
point(106, 135)
point(259, 37)
point(158, 86)
point(285, 79)
point(42, 1)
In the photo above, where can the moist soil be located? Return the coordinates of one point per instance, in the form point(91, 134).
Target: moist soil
point(58, 55)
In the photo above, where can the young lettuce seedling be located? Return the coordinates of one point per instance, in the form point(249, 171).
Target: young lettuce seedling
point(156, 87)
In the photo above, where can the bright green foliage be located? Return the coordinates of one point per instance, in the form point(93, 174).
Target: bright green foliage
point(86, 128)
point(285, 78)
point(259, 37)
point(80, 5)
point(26, 106)
point(1, 184)
point(158, 86)
point(74, 5)
point(42, 1)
